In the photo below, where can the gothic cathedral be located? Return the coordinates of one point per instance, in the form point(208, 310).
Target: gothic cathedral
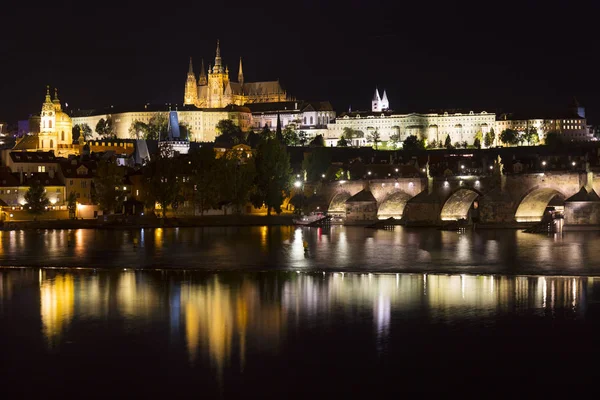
point(217, 91)
point(55, 125)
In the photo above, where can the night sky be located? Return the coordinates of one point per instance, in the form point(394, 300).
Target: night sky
point(493, 56)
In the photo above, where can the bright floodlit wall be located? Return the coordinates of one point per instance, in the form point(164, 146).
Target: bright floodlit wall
point(460, 127)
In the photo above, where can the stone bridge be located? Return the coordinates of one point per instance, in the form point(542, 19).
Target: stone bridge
point(427, 200)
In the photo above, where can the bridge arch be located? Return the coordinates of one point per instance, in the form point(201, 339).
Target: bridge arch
point(393, 205)
point(337, 205)
point(531, 208)
point(459, 203)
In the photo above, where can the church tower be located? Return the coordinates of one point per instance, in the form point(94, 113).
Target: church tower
point(385, 103)
point(47, 123)
point(217, 79)
point(376, 102)
point(202, 78)
point(191, 91)
point(241, 74)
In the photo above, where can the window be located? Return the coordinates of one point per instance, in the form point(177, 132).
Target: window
point(50, 124)
point(311, 120)
point(41, 168)
point(62, 135)
point(71, 182)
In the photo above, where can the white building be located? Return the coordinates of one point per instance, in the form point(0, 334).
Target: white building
point(461, 127)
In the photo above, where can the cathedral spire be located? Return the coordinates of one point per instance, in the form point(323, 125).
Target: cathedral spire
point(218, 67)
point(191, 70)
point(56, 96)
point(241, 74)
point(48, 99)
point(202, 78)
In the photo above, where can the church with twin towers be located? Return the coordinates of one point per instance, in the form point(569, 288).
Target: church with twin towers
point(214, 88)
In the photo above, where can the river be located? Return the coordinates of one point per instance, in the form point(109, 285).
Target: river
point(246, 312)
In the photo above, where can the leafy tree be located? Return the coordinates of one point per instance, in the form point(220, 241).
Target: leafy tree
point(531, 136)
point(278, 133)
point(316, 163)
point(230, 133)
point(342, 142)
point(395, 139)
point(204, 181)
point(81, 130)
point(413, 143)
point(156, 128)
point(302, 138)
point(273, 175)
point(108, 181)
point(374, 137)
point(105, 128)
point(509, 137)
point(72, 204)
point(318, 141)
point(185, 131)
point(237, 180)
point(464, 144)
point(36, 200)
point(161, 182)
point(252, 139)
point(478, 139)
point(553, 139)
point(290, 137)
point(448, 142)
point(490, 137)
point(266, 132)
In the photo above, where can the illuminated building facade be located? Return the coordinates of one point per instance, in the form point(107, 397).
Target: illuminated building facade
point(214, 89)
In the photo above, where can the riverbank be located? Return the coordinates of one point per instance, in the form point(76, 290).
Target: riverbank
point(130, 222)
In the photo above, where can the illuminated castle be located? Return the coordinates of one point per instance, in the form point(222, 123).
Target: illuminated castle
point(217, 91)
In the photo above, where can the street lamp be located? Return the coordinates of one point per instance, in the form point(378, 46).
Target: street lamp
point(297, 184)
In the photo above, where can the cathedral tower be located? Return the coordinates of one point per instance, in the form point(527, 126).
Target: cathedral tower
point(217, 79)
point(191, 91)
point(202, 78)
point(385, 103)
point(376, 102)
point(241, 74)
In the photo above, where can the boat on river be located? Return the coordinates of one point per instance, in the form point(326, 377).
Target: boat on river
point(314, 219)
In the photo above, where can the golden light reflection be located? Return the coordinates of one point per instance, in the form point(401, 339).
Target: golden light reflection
point(218, 317)
point(158, 238)
point(264, 232)
point(57, 304)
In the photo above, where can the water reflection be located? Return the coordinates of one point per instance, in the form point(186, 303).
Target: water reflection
point(223, 319)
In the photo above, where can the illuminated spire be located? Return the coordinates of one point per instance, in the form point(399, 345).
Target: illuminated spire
point(218, 67)
point(48, 99)
point(202, 78)
point(191, 70)
point(56, 96)
point(241, 73)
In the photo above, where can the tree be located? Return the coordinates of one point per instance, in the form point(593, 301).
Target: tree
point(252, 139)
point(204, 181)
point(395, 139)
point(230, 133)
point(478, 139)
point(273, 175)
point(318, 141)
point(161, 183)
point(531, 136)
point(342, 142)
point(509, 137)
point(374, 137)
point(237, 180)
point(81, 130)
point(302, 138)
point(278, 133)
point(448, 142)
point(464, 144)
point(290, 137)
point(553, 139)
point(108, 181)
point(266, 131)
point(413, 143)
point(316, 163)
point(490, 137)
point(105, 128)
point(72, 204)
point(350, 134)
point(36, 200)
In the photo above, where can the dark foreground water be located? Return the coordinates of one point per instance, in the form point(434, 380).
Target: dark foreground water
point(276, 323)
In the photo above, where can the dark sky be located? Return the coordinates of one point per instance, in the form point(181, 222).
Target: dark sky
point(509, 56)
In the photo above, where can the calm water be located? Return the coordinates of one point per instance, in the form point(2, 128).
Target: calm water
point(362, 314)
point(281, 248)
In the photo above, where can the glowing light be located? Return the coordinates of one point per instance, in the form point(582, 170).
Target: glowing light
point(573, 163)
point(491, 167)
point(396, 169)
point(477, 183)
point(462, 167)
point(297, 184)
point(544, 163)
point(53, 201)
point(369, 172)
point(322, 175)
point(446, 184)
